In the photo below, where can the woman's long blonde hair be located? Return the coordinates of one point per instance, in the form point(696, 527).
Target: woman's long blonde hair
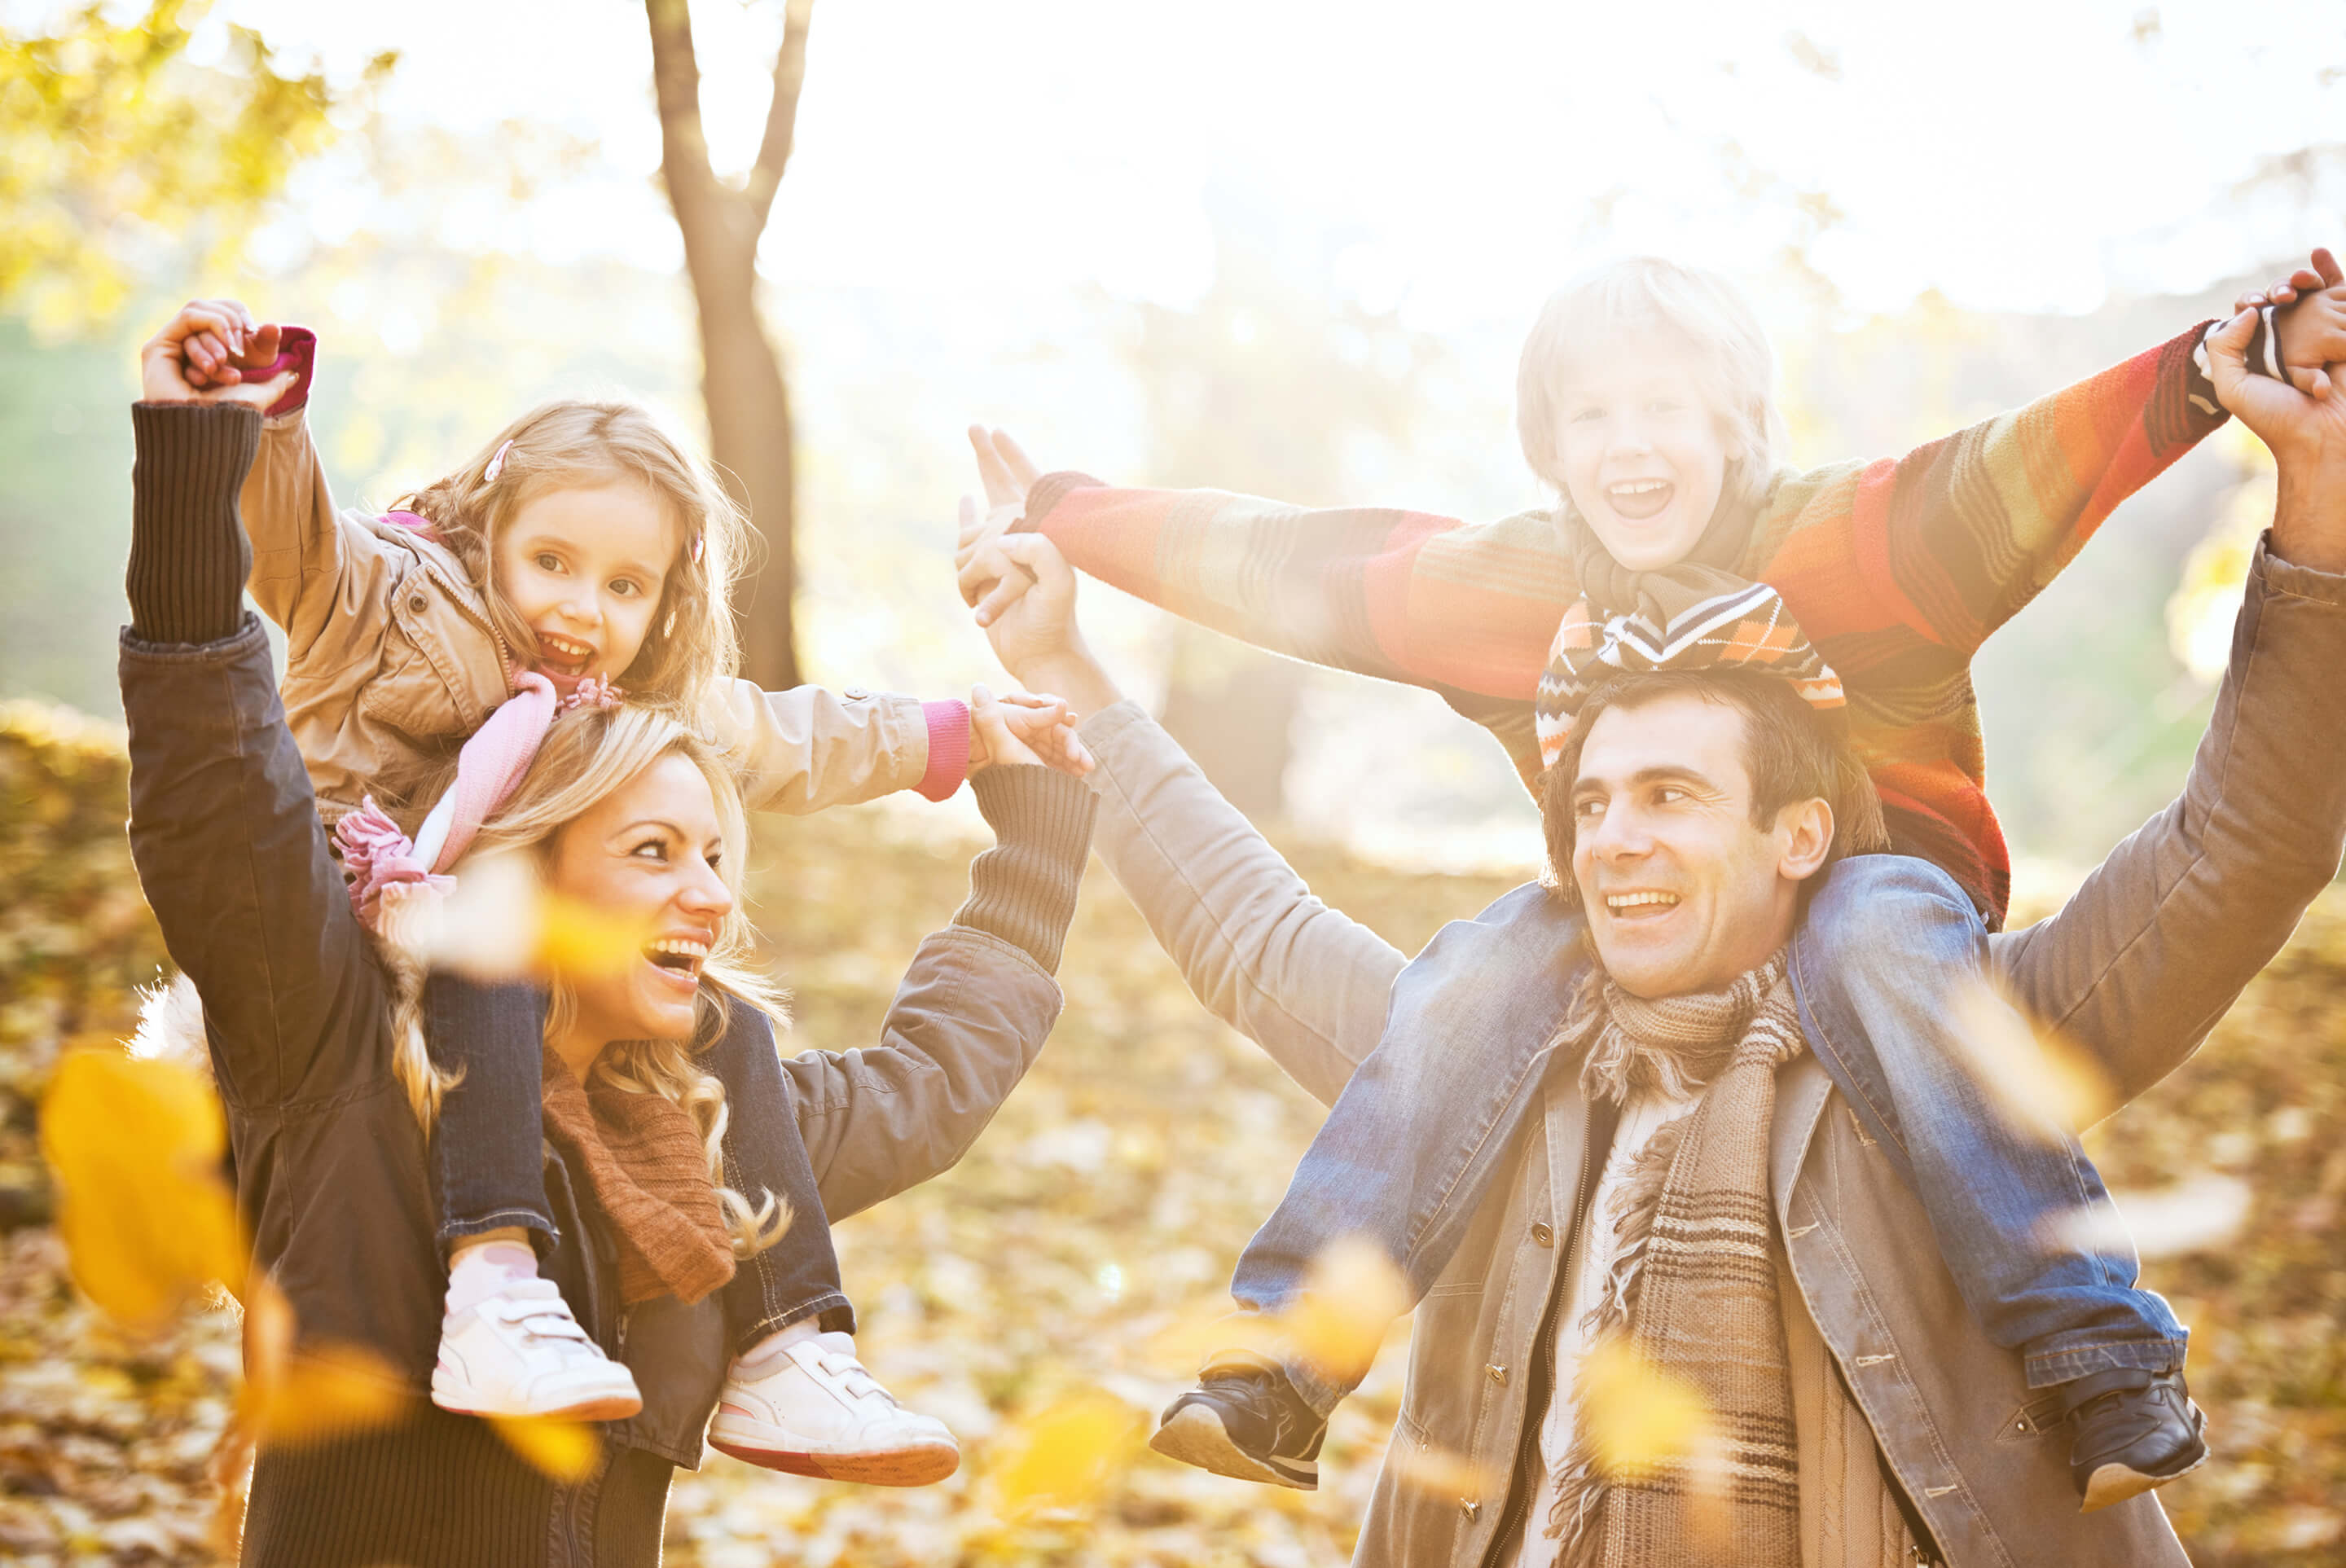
point(588, 753)
point(692, 644)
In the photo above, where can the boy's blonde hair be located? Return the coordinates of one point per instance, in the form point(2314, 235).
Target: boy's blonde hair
point(1645, 296)
point(588, 753)
point(692, 644)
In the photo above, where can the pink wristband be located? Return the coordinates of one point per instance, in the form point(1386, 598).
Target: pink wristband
point(948, 748)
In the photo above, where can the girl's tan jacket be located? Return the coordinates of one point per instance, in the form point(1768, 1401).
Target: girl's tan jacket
point(389, 655)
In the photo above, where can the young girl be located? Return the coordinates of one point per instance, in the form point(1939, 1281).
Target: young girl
point(584, 545)
point(1644, 397)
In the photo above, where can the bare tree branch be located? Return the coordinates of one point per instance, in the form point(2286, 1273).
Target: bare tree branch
point(783, 113)
point(676, 87)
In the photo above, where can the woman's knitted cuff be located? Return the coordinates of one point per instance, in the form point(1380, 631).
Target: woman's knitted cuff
point(1024, 889)
point(189, 555)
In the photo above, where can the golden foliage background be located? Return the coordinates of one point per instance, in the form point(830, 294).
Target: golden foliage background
point(1045, 1297)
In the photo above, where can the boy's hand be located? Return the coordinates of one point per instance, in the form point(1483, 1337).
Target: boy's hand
point(1007, 474)
point(1045, 726)
point(202, 353)
point(2309, 321)
point(2305, 429)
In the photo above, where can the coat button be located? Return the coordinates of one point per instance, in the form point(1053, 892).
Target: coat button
point(1542, 1233)
point(1498, 1374)
point(416, 604)
point(1469, 1507)
point(855, 693)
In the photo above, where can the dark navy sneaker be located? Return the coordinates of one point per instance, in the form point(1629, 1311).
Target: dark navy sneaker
point(1244, 1418)
point(2135, 1430)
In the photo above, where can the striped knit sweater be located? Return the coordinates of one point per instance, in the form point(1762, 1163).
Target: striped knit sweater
point(1897, 569)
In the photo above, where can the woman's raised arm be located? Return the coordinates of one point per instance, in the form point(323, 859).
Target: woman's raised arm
point(223, 828)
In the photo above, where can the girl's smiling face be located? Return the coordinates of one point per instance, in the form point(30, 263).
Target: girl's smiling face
point(585, 568)
point(1643, 456)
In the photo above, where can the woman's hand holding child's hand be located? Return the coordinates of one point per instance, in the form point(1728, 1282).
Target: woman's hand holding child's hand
point(204, 354)
point(1019, 730)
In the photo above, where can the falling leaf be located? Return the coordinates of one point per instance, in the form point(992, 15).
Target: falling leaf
point(2196, 1216)
point(565, 1451)
point(147, 1220)
point(489, 928)
point(294, 1395)
point(1204, 1329)
point(1637, 1415)
point(1441, 1471)
point(583, 939)
point(1352, 1294)
point(1061, 1456)
point(2047, 1085)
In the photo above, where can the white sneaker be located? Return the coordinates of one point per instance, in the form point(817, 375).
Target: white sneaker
point(812, 1409)
point(521, 1353)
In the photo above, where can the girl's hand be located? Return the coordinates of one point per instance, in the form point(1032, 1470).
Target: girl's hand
point(1044, 726)
point(991, 742)
point(203, 354)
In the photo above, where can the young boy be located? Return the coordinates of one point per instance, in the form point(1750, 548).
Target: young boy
point(1644, 397)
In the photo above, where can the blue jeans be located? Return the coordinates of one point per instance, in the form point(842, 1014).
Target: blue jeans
point(488, 1159)
point(1423, 1128)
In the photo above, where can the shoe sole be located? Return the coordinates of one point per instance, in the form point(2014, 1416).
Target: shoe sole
point(612, 1408)
point(1195, 1435)
point(923, 1465)
point(2111, 1485)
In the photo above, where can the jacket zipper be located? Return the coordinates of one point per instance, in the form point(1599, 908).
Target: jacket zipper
point(1595, 1148)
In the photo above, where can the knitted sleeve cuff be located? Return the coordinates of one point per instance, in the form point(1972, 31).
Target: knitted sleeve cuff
point(948, 725)
point(1047, 492)
point(1024, 889)
point(189, 555)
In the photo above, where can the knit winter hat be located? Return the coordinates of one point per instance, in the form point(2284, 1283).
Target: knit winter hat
point(1684, 619)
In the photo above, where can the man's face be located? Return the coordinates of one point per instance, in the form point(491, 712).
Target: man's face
point(1682, 891)
point(1644, 460)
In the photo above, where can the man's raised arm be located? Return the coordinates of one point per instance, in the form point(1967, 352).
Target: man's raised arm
point(2154, 947)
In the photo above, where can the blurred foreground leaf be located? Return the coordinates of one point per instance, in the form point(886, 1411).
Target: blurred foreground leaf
point(1060, 1457)
point(565, 1451)
point(2044, 1084)
point(147, 1218)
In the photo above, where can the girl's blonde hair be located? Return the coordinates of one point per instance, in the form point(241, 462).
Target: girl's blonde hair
point(1647, 297)
point(588, 753)
point(692, 643)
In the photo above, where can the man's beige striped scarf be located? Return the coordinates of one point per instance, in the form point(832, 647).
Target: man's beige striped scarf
point(1693, 1290)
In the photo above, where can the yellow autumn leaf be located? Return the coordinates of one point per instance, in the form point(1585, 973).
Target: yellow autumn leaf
point(1441, 1471)
point(581, 939)
point(2045, 1084)
point(1205, 1328)
point(1637, 1415)
point(563, 1451)
point(147, 1218)
point(324, 1390)
point(1062, 1456)
point(1352, 1294)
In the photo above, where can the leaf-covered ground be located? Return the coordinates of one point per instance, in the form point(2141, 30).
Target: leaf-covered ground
point(1047, 1294)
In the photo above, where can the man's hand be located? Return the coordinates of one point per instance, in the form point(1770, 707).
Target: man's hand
point(1044, 726)
point(2308, 438)
point(1008, 473)
point(2310, 322)
point(203, 354)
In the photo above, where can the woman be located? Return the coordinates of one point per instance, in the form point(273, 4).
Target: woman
point(302, 1018)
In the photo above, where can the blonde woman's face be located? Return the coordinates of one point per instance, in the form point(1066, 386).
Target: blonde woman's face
point(1644, 460)
point(585, 567)
point(648, 852)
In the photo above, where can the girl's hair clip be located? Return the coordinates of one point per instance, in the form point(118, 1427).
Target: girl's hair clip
point(593, 692)
point(694, 551)
point(497, 465)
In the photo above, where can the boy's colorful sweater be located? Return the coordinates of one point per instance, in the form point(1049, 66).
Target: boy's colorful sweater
point(1898, 569)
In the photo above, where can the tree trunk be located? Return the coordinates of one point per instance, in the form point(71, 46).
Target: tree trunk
point(742, 385)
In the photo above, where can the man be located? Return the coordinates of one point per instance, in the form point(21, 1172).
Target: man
point(1908, 1432)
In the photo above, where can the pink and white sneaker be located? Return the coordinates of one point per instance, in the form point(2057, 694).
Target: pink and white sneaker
point(519, 1352)
point(808, 1408)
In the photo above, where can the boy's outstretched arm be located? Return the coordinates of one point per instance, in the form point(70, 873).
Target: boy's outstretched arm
point(1953, 539)
point(1403, 595)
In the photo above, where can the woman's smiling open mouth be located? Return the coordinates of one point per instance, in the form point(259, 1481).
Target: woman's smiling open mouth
point(678, 959)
